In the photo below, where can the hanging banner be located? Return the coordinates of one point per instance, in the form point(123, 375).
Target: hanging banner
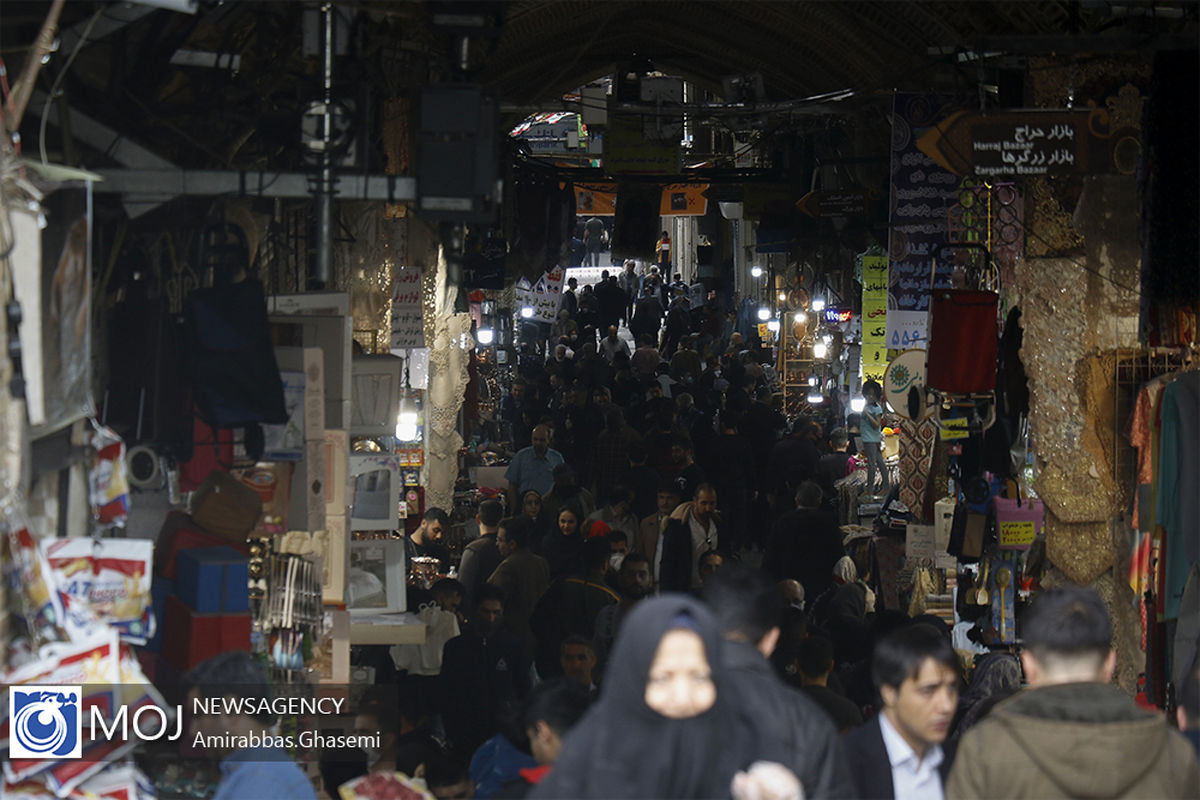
point(684, 200)
point(627, 151)
point(543, 296)
point(874, 317)
point(922, 195)
point(408, 322)
point(596, 199)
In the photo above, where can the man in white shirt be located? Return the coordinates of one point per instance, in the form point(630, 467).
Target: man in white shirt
point(900, 753)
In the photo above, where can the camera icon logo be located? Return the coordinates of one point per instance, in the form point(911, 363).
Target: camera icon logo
point(44, 722)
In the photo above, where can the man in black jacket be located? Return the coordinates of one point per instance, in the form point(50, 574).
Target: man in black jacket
point(805, 543)
point(748, 607)
point(481, 557)
point(485, 673)
point(900, 752)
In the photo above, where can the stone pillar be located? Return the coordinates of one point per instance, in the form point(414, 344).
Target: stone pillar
point(1078, 297)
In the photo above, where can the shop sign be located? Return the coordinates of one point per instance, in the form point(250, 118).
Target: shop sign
point(763, 331)
point(684, 200)
point(1017, 534)
point(907, 330)
point(874, 317)
point(826, 205)
point(838, 316)
point(596, 199)
point(921, 192)
point(1020, 143)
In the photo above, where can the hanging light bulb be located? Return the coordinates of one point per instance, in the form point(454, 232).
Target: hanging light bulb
point(816, 398)
point(782, 296)
point(820, 350)
point(756, 271)
point(764, 313)
point(526, 312)
point(801, 317)
point(818, 304)
point(813, 380)
point(857, 404)
point(485, 336)
point(773, 326)
point(406, 423)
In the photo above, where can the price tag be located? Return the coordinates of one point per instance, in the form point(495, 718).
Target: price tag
point(954, 428)
point(1017, 534)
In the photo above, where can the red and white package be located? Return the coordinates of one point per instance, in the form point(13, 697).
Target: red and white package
point(106, 580)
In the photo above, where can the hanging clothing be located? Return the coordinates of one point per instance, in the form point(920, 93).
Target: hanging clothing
point(1178, 500)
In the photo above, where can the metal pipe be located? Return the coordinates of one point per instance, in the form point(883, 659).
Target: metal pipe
point(323, 274)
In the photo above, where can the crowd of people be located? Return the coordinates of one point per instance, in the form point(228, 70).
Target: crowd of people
point(606, 635)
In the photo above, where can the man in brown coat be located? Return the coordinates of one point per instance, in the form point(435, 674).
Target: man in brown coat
point(650, 528)
point(1071, 734)
point(523, 575)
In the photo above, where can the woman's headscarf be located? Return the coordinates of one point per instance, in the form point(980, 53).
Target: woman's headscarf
point(996, 676)
point(845, 570)
point(525, 495)
point(622, 748)
point(562, 551)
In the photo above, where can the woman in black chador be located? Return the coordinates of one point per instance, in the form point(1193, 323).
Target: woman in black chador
point(668, 723)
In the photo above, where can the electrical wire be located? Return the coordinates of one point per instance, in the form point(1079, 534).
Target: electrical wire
point(58, 81)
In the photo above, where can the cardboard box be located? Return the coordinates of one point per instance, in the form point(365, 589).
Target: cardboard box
point(214, 579)
point(180, 532)
point(310, 363)
point(337, 471)
point(307, 508)
point(943, 521)
point(285, 441)
point(333, 588)
point(191, 637)
point(333, 336)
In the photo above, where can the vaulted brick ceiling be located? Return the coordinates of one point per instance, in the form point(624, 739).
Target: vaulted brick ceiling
point(540, 49)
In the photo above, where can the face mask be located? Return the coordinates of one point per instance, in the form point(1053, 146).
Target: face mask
point(373, 756)
point(615, 560)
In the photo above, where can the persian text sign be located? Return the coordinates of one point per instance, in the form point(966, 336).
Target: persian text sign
point(906, 330)
point(1017, 143)
point(1017, 534)
point(922, 193)
point(408, 322)
point(874, 317)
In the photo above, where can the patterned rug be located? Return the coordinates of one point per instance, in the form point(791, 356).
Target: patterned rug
point(917, 442)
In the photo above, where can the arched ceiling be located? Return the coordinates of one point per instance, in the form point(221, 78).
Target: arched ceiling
point(534, 51)
point(801, 48)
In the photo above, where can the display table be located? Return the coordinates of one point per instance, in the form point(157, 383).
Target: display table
point(388, 629)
